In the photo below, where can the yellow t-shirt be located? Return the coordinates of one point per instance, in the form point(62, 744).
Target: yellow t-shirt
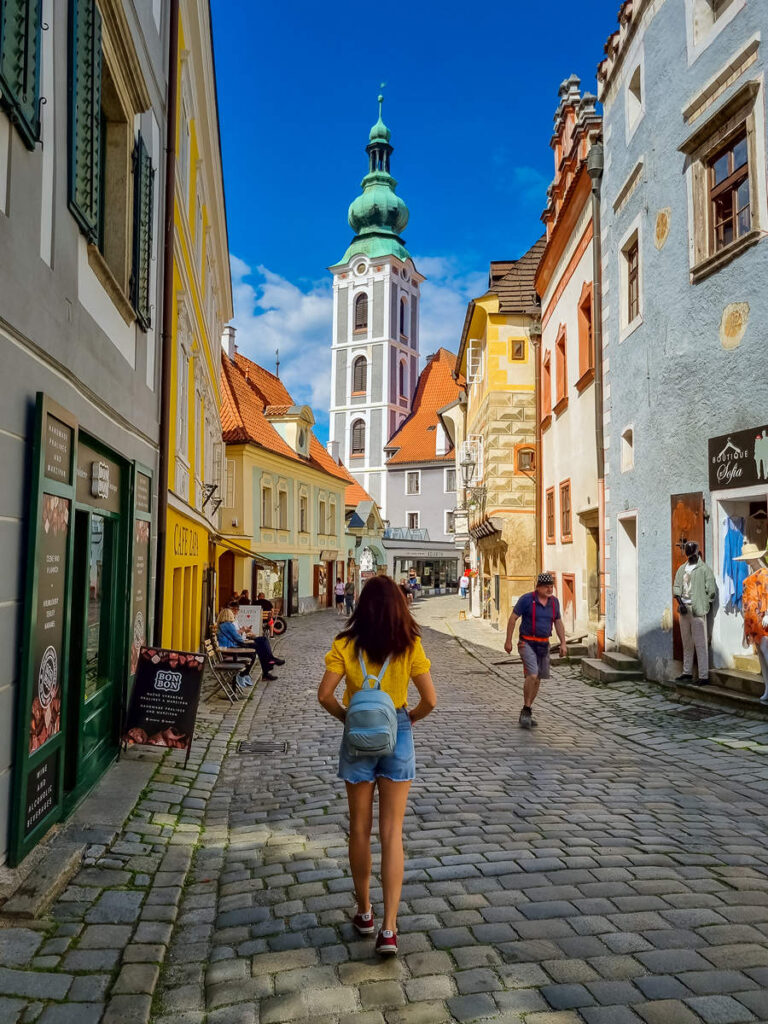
point(342, 658)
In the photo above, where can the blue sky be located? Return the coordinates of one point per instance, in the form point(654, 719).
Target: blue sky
point(470, 97)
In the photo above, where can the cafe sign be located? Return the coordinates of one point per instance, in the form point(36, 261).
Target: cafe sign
point(739, 459)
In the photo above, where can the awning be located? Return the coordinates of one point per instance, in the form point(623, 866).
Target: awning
point(486, 528)
point(239, 549)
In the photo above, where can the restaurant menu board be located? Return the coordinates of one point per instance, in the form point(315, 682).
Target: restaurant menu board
point(143, 492)
point(45, 719)
point(249, 616)
point(41, 791)
point(164, 700)
point(140, 590)
point(57, 449)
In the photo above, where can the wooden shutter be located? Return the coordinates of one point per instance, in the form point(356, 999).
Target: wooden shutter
point(143, 194)
point(20, 66)
point(85, 116)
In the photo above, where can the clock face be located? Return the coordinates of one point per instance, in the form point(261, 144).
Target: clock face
point(360, 268)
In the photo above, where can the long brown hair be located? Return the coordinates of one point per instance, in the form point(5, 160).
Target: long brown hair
point(381, 624)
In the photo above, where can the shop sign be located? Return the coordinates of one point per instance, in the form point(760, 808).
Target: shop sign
point(143, 493)
point(250, 616)
point(98, 479)
point(38, 763)
point(164, 699)
point(140, 590)
point(739, 459)
point(185, 541)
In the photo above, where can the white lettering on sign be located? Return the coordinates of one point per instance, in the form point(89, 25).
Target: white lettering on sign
point(169, 682)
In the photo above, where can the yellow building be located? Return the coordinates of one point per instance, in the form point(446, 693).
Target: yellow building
point(285, 495)
point(497, 440)
point(201, 298)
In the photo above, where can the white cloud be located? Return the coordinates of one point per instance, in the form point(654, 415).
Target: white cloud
point(273, 313)
point(444, 298)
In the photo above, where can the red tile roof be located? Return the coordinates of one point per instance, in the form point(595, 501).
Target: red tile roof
point(250, 394)
point(436, 388)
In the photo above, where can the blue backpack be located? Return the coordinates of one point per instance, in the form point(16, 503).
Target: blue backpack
point(370, 726)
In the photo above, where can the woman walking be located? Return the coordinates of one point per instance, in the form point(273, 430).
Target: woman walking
point(381, 634)
point(339, 592)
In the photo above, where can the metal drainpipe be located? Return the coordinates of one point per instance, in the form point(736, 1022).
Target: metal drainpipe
point(167, 323)
point(535, 336)
point(595, 163)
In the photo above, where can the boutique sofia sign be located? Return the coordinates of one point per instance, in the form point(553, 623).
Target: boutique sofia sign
point(739, 459)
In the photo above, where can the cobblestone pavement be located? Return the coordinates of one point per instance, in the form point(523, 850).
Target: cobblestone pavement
point(609, 866)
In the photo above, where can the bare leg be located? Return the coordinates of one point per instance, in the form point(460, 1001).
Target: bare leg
point(360, 799)
point(530, 690)
point(393, 797)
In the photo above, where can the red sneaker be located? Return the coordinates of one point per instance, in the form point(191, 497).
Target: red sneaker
point(386, 943)
point(364, 923)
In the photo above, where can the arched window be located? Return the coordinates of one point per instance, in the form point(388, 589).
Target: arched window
point(402, 379)
point(403, 318)
point(361, 312)
point(360, 375)
point(358, 437)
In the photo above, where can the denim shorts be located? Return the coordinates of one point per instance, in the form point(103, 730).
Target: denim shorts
point(399, 766)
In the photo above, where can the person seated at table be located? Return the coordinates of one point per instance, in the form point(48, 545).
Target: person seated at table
point(230, 635)
point(244, 598)
point(262, 600)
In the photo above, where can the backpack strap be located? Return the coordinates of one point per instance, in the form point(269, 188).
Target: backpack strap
point(369, 677)
point(540, 639)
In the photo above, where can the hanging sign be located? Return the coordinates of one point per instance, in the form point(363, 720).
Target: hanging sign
point(739, 459)
point(163, 705)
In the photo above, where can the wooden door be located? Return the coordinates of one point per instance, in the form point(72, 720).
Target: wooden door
point(687, 521)
point(226, 578)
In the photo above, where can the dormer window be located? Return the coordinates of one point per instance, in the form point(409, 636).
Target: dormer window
point(361, 312)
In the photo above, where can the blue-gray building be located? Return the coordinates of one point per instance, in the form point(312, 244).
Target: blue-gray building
point(685, 309)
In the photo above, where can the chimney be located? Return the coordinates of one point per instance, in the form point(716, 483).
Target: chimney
point(228, 341)
point(333, 449)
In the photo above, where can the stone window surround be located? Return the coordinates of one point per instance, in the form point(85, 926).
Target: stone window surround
point(446, 488)
point(635, 229)
point(697, 46)
point(449, 512)
point(417, 524)
point(627, 454)
point(730, 118)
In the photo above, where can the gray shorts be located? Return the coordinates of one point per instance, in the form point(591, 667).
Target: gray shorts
point(535, 659)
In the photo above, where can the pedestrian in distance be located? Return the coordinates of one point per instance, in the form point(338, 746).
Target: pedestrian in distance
point(349, 596)
point(463, 586)
point(407, 590)
point(694, 589)
point(382, 637)
point(230, 635)
point(754, 606)
point(339, 592)
point(539, 612)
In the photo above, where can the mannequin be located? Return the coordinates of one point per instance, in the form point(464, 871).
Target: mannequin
point(694, 589)
point(754, 604)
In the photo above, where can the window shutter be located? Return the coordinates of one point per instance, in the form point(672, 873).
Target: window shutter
point(143, 194)
point(20, 66)
point(85, 116)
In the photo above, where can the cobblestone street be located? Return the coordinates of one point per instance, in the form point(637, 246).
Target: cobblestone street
point(609, 866)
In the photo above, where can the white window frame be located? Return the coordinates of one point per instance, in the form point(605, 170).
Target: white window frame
point(449, 512)
point(417, 474)
point(333, 521)
point(634, 108)
point(322, 515)
point(698, 42)
point(229, 493)
point(627, 328)
point(266, 485)
point(446, 488)
point(418, 520)
point(474, 361)
point(303, 506)
point(282, 489)
point(627, 455)
point(182, 402)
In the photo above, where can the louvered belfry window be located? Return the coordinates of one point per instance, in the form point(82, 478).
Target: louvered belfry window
point(358, 437)
point(361, 312)
point(85, 116)
point(20, 66)
point(143, 194)
point(359, 375)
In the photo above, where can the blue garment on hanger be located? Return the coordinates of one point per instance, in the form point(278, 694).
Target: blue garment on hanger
point(734, 573)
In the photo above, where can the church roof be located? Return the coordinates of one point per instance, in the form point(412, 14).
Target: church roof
point(416, 439)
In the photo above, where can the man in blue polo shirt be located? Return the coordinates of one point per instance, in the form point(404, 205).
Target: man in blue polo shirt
point(538, 612)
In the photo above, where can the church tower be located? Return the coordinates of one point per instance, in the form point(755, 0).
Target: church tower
point(375, 353)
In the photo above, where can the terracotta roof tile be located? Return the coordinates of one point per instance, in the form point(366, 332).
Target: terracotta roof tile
point(436, 388)
point(249, 395)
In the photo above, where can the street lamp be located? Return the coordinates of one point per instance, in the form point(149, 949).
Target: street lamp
point(467, 465)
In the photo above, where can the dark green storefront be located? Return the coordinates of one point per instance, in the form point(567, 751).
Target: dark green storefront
point(86, 613)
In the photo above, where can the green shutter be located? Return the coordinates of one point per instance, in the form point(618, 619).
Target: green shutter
point(85, 115)
point(143, 188)
point(20, 66)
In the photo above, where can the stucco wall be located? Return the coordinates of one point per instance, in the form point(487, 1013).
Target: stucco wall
point(431, 503)
point(671, 379)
